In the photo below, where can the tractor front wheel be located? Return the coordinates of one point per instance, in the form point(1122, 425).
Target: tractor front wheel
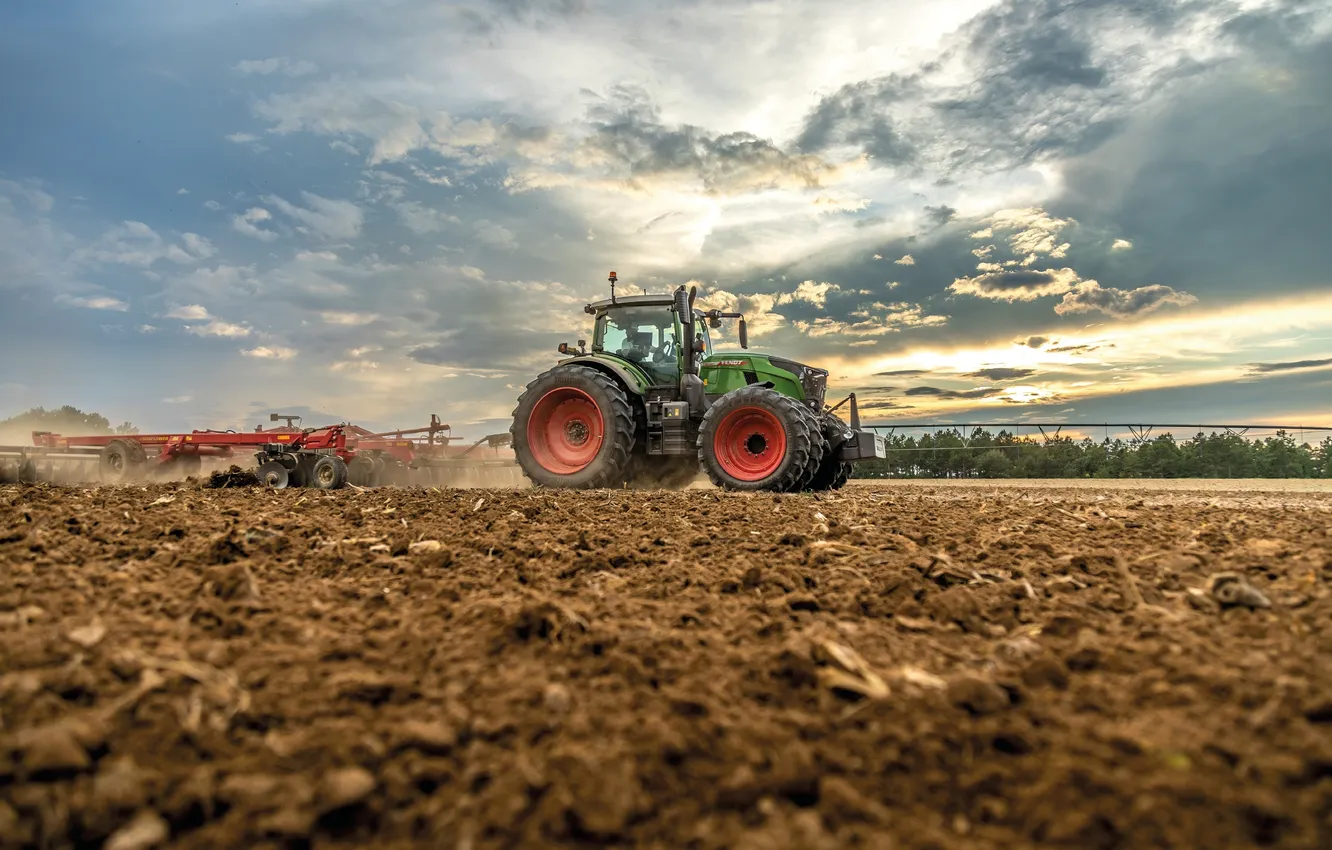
point(574, 428)
point(755, 438)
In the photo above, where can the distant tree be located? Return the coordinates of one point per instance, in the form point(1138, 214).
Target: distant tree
point(64, 420)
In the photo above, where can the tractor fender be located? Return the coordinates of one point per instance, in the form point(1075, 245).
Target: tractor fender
point(632, 383)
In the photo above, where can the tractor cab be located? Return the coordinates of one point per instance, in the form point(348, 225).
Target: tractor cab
point(645, 330)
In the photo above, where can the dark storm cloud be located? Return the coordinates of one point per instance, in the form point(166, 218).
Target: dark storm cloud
point(856, 115)
point(940, 215)
point(1048, 82)
point(1265, 368)
point(1001, 373)
point(1035, 341)
point(627, 129)
point(1226, 190)
point(939, 392)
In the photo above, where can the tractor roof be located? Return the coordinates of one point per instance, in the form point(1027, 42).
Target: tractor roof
point(664, 300)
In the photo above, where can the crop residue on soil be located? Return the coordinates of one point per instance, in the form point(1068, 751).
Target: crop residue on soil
point(882, 668)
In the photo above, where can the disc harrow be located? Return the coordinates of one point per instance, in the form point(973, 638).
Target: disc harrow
point(329, 457)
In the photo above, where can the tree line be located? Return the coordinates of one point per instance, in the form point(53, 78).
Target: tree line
point(63, 420)
point(947, 454)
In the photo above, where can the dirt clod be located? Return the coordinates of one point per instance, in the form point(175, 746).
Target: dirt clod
point(977, 695)
point(146, 830)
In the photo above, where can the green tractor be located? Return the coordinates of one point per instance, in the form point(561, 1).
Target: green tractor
point(652, 402)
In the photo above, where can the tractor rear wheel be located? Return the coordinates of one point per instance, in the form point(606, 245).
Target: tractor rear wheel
point(755, 438)
point(574, 428)
point(122, 460)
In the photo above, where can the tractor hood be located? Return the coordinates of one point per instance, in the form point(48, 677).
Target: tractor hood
point(724, 371)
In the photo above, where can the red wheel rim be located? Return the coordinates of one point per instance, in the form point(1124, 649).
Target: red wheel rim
point(565, 430)
point(750, 443)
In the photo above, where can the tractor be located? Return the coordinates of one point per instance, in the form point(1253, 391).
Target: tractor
point(652, 401)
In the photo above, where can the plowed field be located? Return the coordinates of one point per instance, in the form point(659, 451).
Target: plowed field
point(886, 667)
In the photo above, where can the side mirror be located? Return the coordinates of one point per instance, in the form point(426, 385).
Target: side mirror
point(744, 334)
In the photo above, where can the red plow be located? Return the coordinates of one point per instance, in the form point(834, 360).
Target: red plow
point(328, 458)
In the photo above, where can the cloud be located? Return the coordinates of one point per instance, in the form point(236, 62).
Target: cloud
point(1034, 341)
point(189, 312)
point(496, 235)
point(902, 373)
point(907, 260)
point(345, 318)
point(275, 65)
point(421, 219)
point(1016, 284)
point(940, 215)
point(1268, 368)
point(1001, 373)
point(328, 219)
point(178, 399)
point(875, 320)
point(1121, 245)
point(266, 352)
point(938, 392)
point(217, 327)
point(242, 138)
point(182, 191)
point(246, 223)
point(631, 145)
point(94, 302)
point(1090, 296)
point(146, 329)
point(134, 243)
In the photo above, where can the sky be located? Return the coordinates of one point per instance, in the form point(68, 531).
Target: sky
point(1031, 210)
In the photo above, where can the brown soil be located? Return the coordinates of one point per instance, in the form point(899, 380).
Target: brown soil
point(886, 667)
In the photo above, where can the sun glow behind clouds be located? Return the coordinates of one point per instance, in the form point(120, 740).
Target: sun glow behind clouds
point(1167, 352)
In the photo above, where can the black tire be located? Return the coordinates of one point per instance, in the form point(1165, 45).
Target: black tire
point(299, 467)
point(818, 450)
point(121, 461)
point(273, 475)
point(722, 439)
point(833, 473)
point(329, 473)
point(596, 401)
point(361, 471)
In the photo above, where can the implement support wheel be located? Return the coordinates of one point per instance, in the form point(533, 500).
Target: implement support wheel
point(329, 473)
point(122, 460)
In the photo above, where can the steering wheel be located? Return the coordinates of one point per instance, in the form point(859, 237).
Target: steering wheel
point(668, 349)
